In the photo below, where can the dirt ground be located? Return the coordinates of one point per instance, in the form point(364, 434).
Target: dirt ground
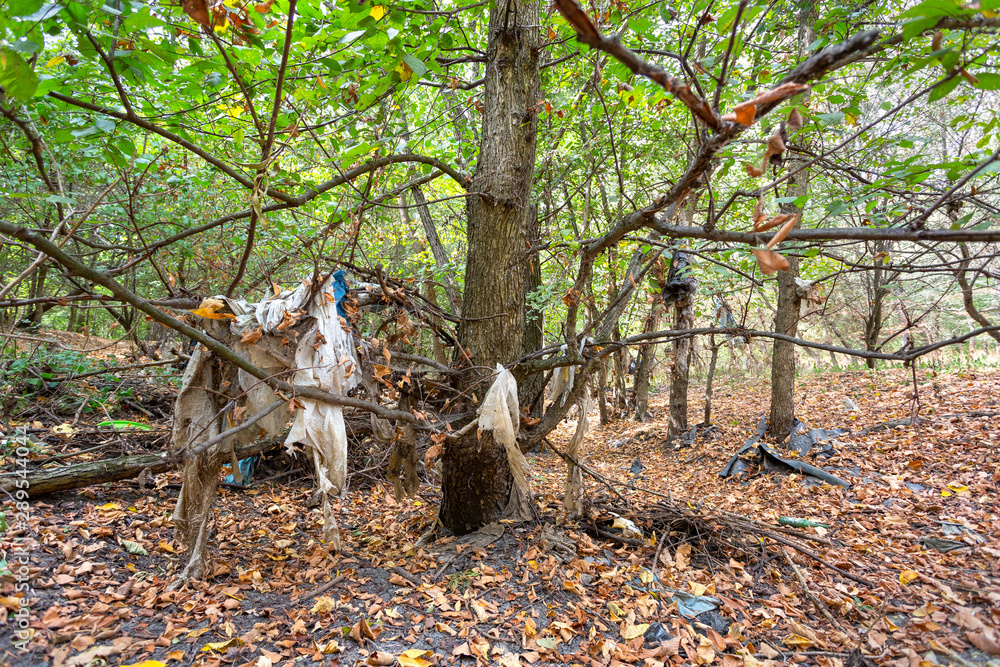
point(102, 557)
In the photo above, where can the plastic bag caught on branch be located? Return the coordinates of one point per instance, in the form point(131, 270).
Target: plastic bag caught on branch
point(499, 415)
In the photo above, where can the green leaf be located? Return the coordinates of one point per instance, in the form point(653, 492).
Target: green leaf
point(913, 28)
point(25, 46)
point(944, 89)
point(22, 7)
point(949, 60)
point(57, 199)
point(988, 81)
point(830, 118)
point(85, 132)
point(134, 548)
point(105, 125)
point(417, 65)
point(934, 8)
point(45, 12)
point(15, 75)
point(351, 36)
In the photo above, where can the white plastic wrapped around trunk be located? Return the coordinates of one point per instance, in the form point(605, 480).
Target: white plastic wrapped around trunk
point(500, 414)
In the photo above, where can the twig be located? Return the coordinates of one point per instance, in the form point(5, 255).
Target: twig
point(236, 429)
point(600, 478)
point(812, 596)
point(316, 591)
point(412, 578)
point(814, 555)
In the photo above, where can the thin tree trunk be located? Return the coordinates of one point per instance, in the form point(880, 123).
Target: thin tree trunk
point(711, 378)
point(967, 300)
point(787, 316)
point(534, 325)
point(437, 249)
point(645, 365)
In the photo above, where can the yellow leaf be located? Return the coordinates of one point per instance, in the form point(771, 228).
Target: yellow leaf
point(331, 647)
point(906, 576)
point(990, 14)
point(110, 506)
point(378, 11)
point(646, 577)
point(797, 641)
point(222, 647)
point(58, 60)
point(404, 71)
point(323, 605)
point(696, 588)
point(209, 315)
point(414, 657)
point(147, 663)
point(633, 631)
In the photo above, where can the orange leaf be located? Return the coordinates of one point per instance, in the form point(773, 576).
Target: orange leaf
point(769, 261)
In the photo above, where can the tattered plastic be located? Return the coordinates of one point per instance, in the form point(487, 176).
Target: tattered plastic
point(323, 356)
point(770, 459)
point(499, 414)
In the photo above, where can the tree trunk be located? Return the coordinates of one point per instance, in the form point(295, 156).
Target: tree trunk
point(711, 377)
point(967, 300)
point(680, 373)
point(534, 325)
point(786, 318)
point(476, 481)
point(645, 365)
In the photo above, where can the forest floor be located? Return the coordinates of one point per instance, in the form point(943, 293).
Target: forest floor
point(557, 592)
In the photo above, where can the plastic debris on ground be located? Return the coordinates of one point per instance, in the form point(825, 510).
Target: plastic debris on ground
point(772, 461)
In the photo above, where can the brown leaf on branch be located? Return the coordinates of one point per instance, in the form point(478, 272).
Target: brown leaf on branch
point(780, 219)
point(783, 232)
point(769, 261)
point(753, 171)
point(758, 211)
point(795, 121)
point(198, 11)
point(936, 40)
point(779, 93)
point(744, 114)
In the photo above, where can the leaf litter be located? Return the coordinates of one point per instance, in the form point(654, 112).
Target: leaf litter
point(678, 567)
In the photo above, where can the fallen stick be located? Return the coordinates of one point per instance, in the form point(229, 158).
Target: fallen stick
point(50, 480)
point(812, 596)
point(320, 589)
point(412, 578)
point(815, 556)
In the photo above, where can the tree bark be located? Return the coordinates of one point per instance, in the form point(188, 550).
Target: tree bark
point(680, 373)
point(786, 318)
point(476, 480)
point(534, 325)
point(711, 378)
point(645, 365)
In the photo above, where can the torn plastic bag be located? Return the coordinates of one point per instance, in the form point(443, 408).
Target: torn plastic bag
point(804, 441)
point(691, 605)
point(770, 459)
point(247, 467)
